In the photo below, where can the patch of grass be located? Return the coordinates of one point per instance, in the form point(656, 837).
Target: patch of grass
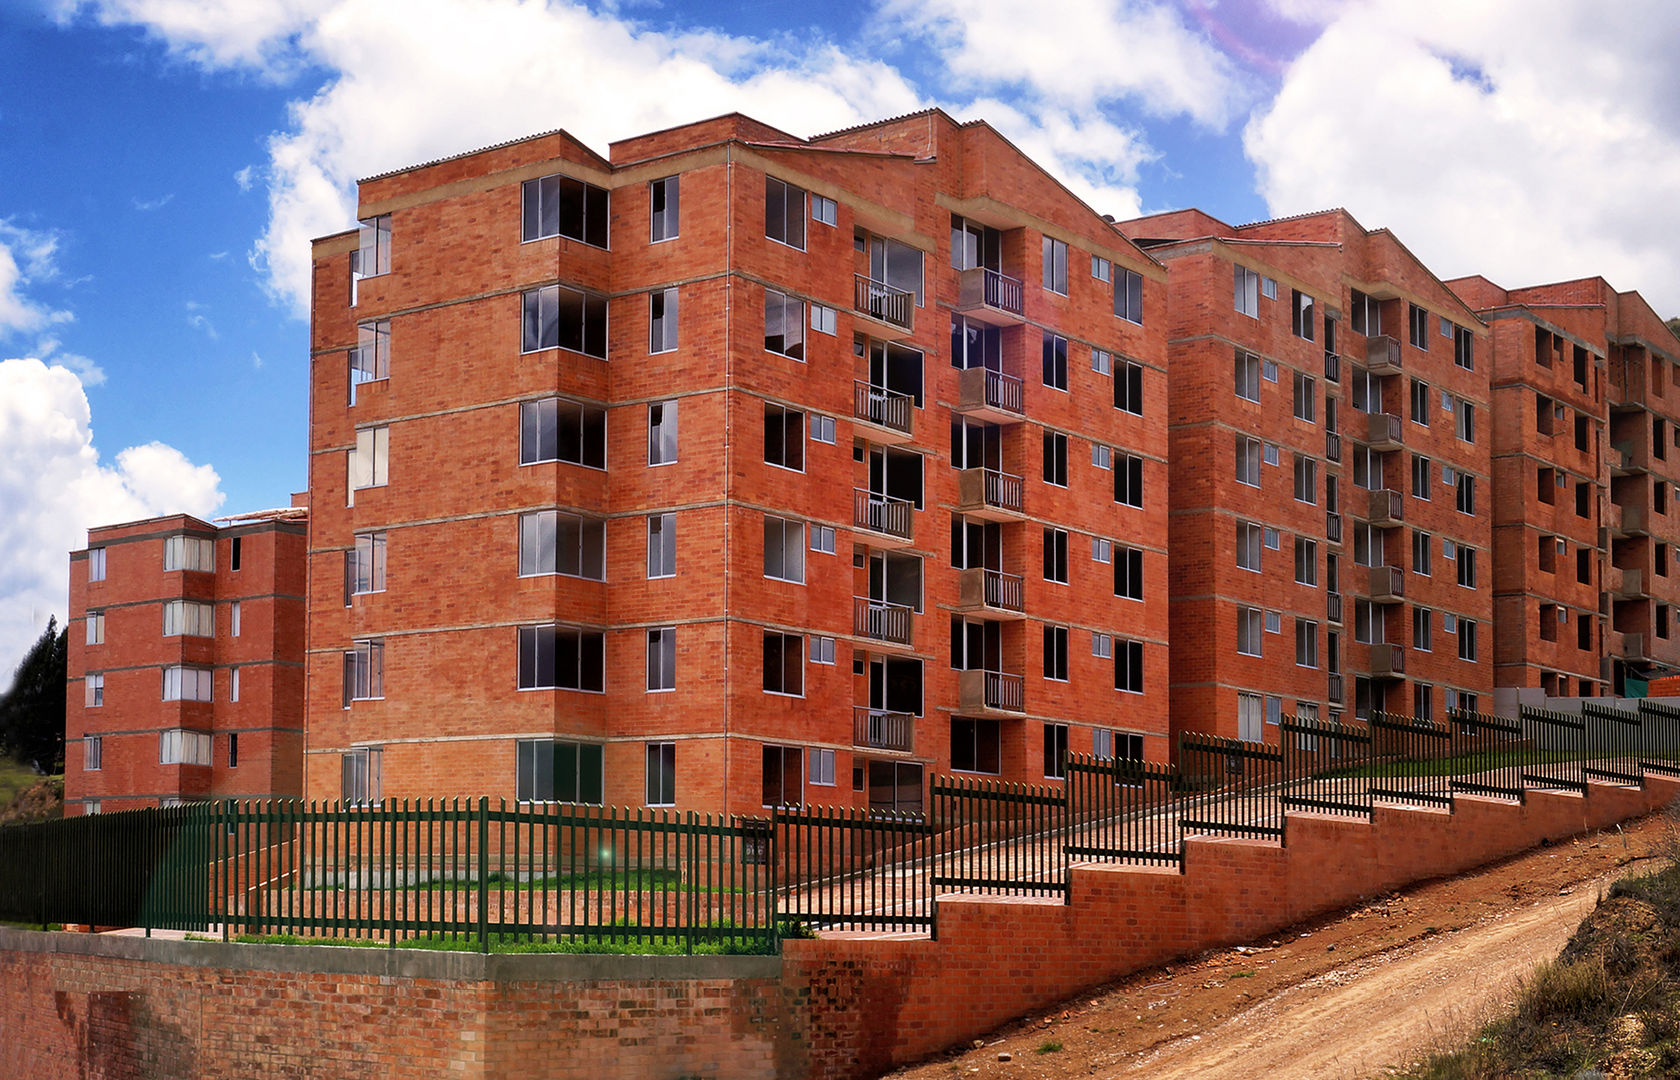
point(710, 940)
point(1242, 975)
point(14, 777)
point(1049, 1046)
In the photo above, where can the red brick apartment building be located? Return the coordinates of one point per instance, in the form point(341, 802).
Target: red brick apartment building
point(1329, 458)
point(736, 469)
point(1586, 589)
point(185, 671)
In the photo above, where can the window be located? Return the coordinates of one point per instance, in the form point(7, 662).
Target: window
point(822, 319)
point(1466, 491)
point(370, 360)
point(661, 774)
point(369, 461)
point(1248, 376)
point(1423, 625)
point(1421, 545)
point(234, 619)
point(1128, 388)
point(1128, 573)
point(1306, 643)
point(1306, 561)
point(558, 317)
point(662, 432)
point(94, 691)
point(1101, 268)
point(561, 206)
point(1467, 640)
point(181, 683)
point(1055, 266)
point(561, 658)
point(190, 553)
point(784, 325)
point(1055, 555)
point(554, 543)
point(1306, 479)
point(823, 210)
point(1419, 325)
point(822, 429)
point(1420, 402)
point(1268, 287)
point(1271, 454)
point(784, 664)
point(1128, 296)
point(1364, 314)
point(662, 546)
point(662, 658)
point(1128, 480)
point(822, 539)
point(1274, 622)
point(975, 745)
point(1306, 397)
point(784, 213)
point(784, 549)
point(1248, 631)
point(822, 650)
point(96, 564)
point(95, 627)
point(1102, 549)
point(1246, 291)
point(233, 684)
point(1056, 653)
point(553, 770)
point(784, 437)
point(1301, 318)
point(662, 321)
point(1102, 362)
point(190, 618)
point(1249, 537)
point(1421, 475)
point(1055, 458)
point(361, 775)
point(1423, 701)
point(1464, 420)
point(1467, 567)
point(1055, 361)
point(1367, 545)
point(1464, 348)
point(1248, 456)
point(663, 206)
point(783, 773)
point(1116, 744)
point(1368, 626)
point(1102, 645)
point(93, 753)
point(1102, 457)
point(569, 431)
point(1128, 666)
point(364, 565)
point(373, 247)
point(178, 746)
point(364, 671)
point(1055, 751)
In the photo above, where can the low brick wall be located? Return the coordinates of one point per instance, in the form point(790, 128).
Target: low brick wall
point(835, 1008)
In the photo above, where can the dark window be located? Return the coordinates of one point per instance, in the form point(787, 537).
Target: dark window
point(1128, 388)
point(661, 773)
point(1055, 361)
point(1301, 321)
point(238, 545)
point(784, 664)
point(559, 317)
point(1056, 653)
point(562, 658)
point(1055, 458)
point(1128, 666)
point(784, 325)
point(561, 206)
point(974, 745)
point(1055, 555)
point(784, 776)
point(555, 430)
point(1128, 480)
point(784, 212)
point(1055, 751)
point(1128, 573)
point(554, 771)
point(1128, 295)
point(784, 437)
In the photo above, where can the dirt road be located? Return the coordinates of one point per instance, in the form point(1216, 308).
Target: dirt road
point(1336, 1000)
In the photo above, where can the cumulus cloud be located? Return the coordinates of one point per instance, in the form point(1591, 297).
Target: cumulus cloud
point(256, 34)
point(54, 485)
point(1528, 141)
point(28, 258)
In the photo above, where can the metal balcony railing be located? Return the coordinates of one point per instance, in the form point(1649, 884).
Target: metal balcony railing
point(878, 405)
point(1333, 607)
point(1333, 527)
point(881, 620)
point(1332, 366)
point(1335, 690)
point(1382, 353)
point(985, 287)
point(882, 513)
point(881, 729)
point(1332, 446)
point(881, 301)
point(983, 388)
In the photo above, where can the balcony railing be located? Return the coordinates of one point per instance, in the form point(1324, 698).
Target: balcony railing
point(1387, 661)
point(1388, 508)
point(1335, 690)
point(883, 302)
point(1382, 431)
point(1332, 446)
point(882, 407)
point(881, 620)
point(1388, 583)
point(982, 390)
point(983, 587)
point(1382, 353)
point(1332, 366)
point(995, 690)
point(1333, 527)
point(1333, 607)
point(989, 489)
point(882, 513)
point(879, 729)
point(982, 291)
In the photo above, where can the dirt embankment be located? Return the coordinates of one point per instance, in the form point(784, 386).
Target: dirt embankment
point(1343, 997)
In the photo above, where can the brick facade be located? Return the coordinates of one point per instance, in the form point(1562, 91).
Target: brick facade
point(211, 654)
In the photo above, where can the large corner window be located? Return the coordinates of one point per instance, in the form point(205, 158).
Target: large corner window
point(561, 206)
point(555, 770)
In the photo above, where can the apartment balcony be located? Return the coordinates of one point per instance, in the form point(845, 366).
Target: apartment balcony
point(1627, 387)
point(989, 395)
point(990, 495)
point(1388, 662)
point(1382, 431)
point(1388, 508)
point(878, 729)
point(1333, 607)
point(886, 415)
point(1626, 584)
point(1623, 459)
point(984, 591)
point(1332, 446)
point(1628, 520)
point(1332, 366)
point(1333, 527)
point(1336, 690)
point(890, 309)
point(1382, 355)
point(881, 520)
point(980, 693)
point(882, 621)
point(1627, 646)
point(1388, 584)
point(991, 297)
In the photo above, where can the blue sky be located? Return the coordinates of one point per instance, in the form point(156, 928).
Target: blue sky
point(165, 163)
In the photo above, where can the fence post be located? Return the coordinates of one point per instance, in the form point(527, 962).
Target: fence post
point(775, 901)
point(484, 873)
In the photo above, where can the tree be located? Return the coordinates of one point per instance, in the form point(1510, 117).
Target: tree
point(32, 712)
point(1674, 326)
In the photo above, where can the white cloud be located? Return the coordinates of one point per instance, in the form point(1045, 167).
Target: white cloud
point(26, 255)
point(54, 486)
point(148, 205)
point(1528, 141)
point(256, 34)
point(245, 177)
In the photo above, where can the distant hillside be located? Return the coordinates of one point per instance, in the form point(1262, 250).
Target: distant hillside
point(26, 795)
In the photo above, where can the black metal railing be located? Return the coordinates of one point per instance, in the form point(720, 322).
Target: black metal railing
point(1230, 787)
point(1123, 811)
point(983, 820)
